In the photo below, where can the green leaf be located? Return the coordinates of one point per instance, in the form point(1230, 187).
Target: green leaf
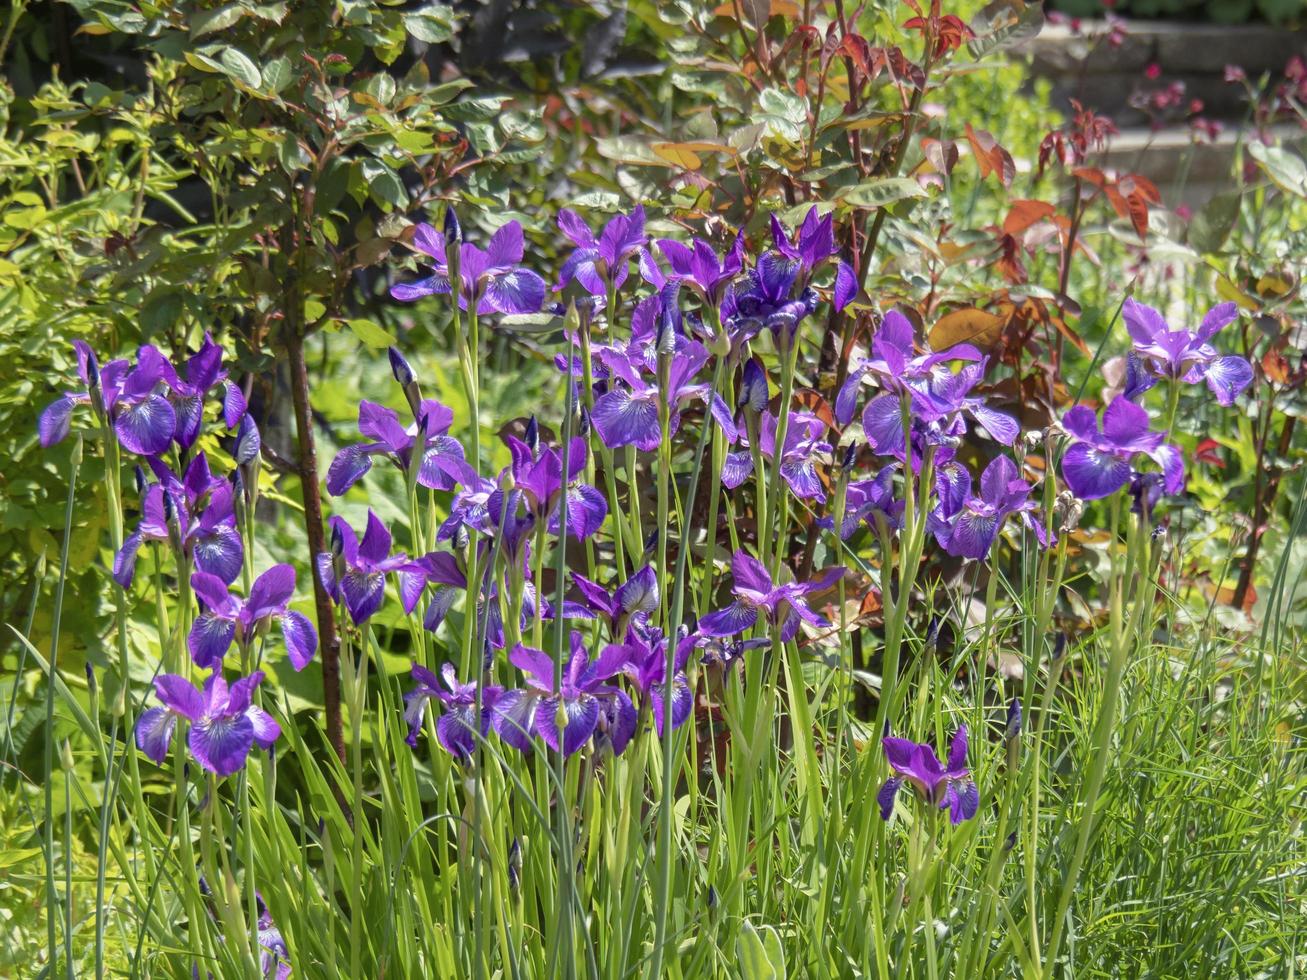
point(433, 25)
point(1286, 170)
point(384, 184)
point(760, 953)
point(381, 87)
point(879, 193)
point(277, 75)
point(371, 334)
point(236, 64)
point(219, 19)
point(1212, 225)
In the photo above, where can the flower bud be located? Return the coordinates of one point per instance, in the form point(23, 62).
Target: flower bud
point(461, 537)
point(753, 388)
point(248, 441)
point(514, 863)
point(90, 679)
point(1013, 729)
point(651, 542)
point(666, 343)
point(141, 484)
point(850, 456)
point(532, 435)
point(399, 367)
point(453, 230)
point(337, 542)
point(583, 424)
point(92, 371)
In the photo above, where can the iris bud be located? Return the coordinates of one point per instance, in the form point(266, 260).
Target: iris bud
point(248, 441)
point(753, 389)
point(399, 367)
point(532, 435)
point(453, 230)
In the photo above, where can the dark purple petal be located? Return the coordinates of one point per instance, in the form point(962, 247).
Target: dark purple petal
point(429, 241)
point(1217, 318)
point(442, 600)
point(639, 593)
point(221, 744)
point(735, 618)
point(219, 553)
point(1227, 377)
point(619, 718)
point(55, 420)
point(682, 703)
point(455, 729)
point(505, 246)
point(350, 465)
point(443, 464)
point(750, 573)
point(574, 227)
point(271, 592)
point(513, 717)
point(1081, 422)
point(146, 427)
point(179, 695)
point(233, 405)
point(973, 535)
point(124, 563)
point(209, 640)
point(264, 726)
point(581, 714)
point(1092, 474)
point(407, 292)
point(622, 420)
point(1000, 426)
point(375, 546)
point(363, 593)
point(885, 798)
point(1124, 422)
point(382, 424)
point(957, 750)
point(586, 510)
point(846, 285)
point(154, 733)
point(301, 639)
point(882, 423)
point(802, 477)
point(1172, 462)
point(1143, 322)
point(515, 291)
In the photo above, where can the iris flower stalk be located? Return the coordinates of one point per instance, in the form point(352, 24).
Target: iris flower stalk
point(1123, 628)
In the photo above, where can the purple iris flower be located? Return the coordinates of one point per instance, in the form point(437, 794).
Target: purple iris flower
point(132, 397)
point(599, 261)
point(489, 278)
point(588, 703)
point(966, 525)
point(227, 617)
point(187, 389)
point(196, 513)
point(895, 364)
point(457, 726)
point(225, 725)
point(699, 267)
point(636, 597)
point(644, 653)
point(916, 764)
point(1187, 356)
point(864, 499)
point(812, 244)
point(628, 414)
point(470, 508)
point(804, 445)
point(783, 605)
point(443, 464)
point(538, 476)
point(1099, 462)
point(357, 575)
point(274, 955)
point(936, 409)
point(763, 298)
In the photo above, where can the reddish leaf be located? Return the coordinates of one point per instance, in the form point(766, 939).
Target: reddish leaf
point(990, 156)
point(1026, 213)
